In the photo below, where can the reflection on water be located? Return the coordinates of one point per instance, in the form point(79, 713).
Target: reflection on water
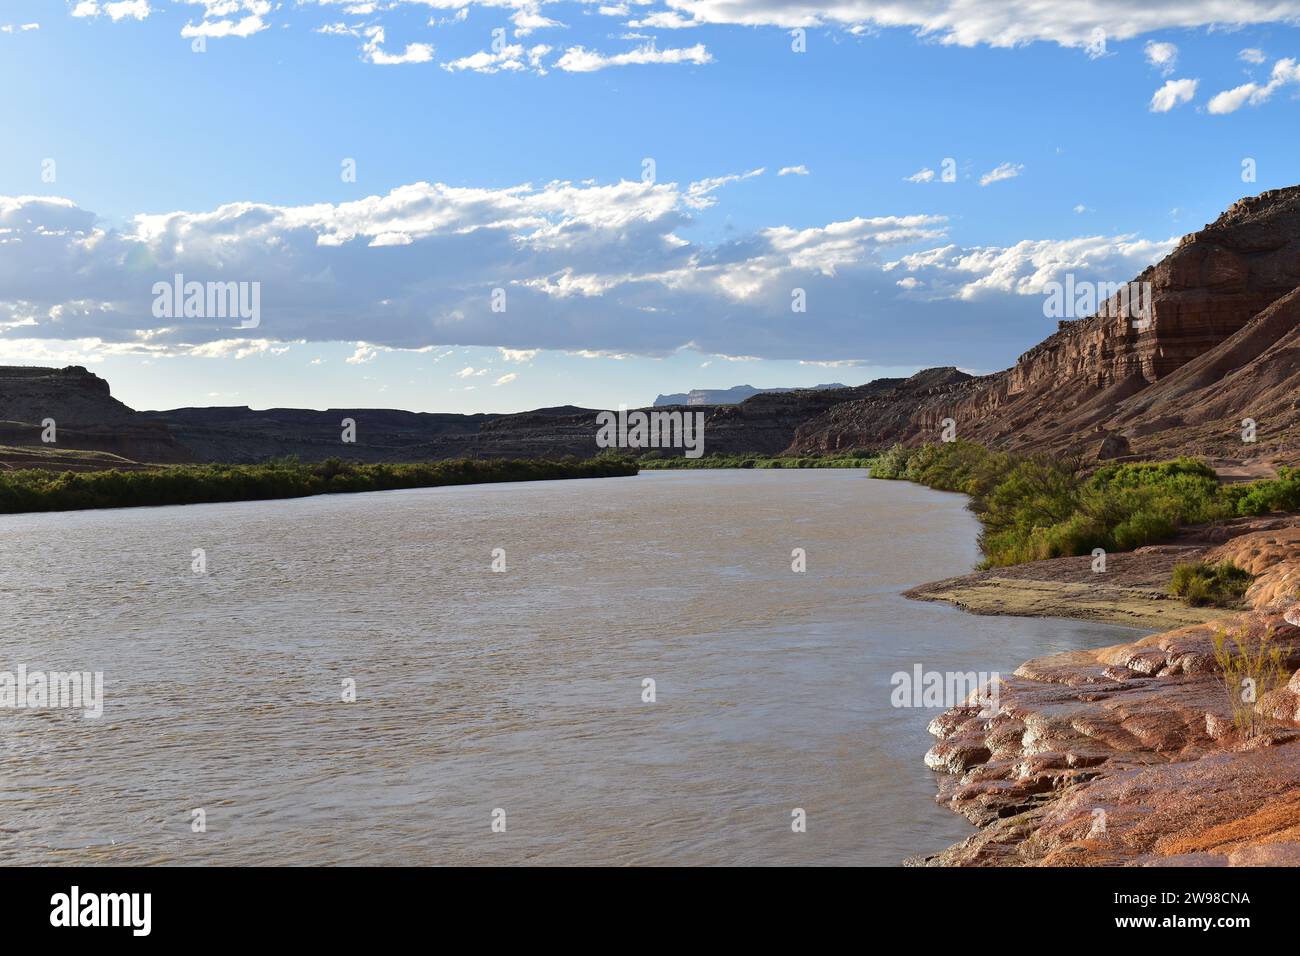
point(479, 690)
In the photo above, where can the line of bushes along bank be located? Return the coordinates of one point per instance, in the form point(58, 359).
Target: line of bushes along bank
point(654, 462)
point(1039, 506)
point(41, 490)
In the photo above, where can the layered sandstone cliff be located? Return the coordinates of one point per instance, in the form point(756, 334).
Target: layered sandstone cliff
point(1101, 377)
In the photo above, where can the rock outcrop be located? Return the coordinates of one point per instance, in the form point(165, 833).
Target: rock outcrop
point(1217, 347)
point(84, 414)
point(1133, 754)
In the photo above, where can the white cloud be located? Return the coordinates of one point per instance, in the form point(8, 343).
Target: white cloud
point(218, 18)
point(506, 379)
point(602, 270)
point(999, 173)
point(529, 18)
point(1229, 101)
point(1008, 23)
point(373, 51)
point(235, 349)
point(698, 194)
point(921, 176)
point(1285, 72)
point(511, 58)
point(364, 353)
point(967, 23)
point(1025, 268)
point(122, 9)
point(664, 20)
point(114, 9)
point(1252, 55)
point(19, 28)
point(1173, 93)
point(581, 60)
point(1162, 56)
point(800, 170)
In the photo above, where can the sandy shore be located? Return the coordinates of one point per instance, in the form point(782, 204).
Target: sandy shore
point(1132, 592)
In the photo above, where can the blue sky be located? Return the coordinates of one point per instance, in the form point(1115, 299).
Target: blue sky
point(130, 156)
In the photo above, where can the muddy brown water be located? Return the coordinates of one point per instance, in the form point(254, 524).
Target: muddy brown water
point(478, 691)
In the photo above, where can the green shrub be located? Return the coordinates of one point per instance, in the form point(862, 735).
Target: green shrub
point(1039, 506)
point(1201, 584)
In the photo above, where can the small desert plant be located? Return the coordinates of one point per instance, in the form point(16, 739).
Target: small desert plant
point(1248, 674)
point(1200, 583)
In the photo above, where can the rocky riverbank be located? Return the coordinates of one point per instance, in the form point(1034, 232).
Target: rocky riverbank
point(1130, 755)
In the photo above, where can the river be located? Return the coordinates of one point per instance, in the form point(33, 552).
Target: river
point(225, 736)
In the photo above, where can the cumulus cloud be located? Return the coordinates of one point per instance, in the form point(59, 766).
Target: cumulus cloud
point(1162, 56)
point(373, 50)
point(999, 173)
point(529, 18)
point(1173, 93)
point(373, 38)
point(221, 18)
point(1008, 23)
point(964, 23)
point(511, 58)
point(594, 269)
point(1025, 268)
point(518, 355)
point(581, 60)
point(1285, 72)
point(363, 354)
point(114, 9)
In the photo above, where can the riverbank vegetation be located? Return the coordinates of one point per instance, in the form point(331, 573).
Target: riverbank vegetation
point(1201, 584)
point(653, 462)
point(1244, 663)
point(1037, 506)
point(42, 490)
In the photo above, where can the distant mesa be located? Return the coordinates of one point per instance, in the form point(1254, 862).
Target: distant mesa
point(727, 396)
